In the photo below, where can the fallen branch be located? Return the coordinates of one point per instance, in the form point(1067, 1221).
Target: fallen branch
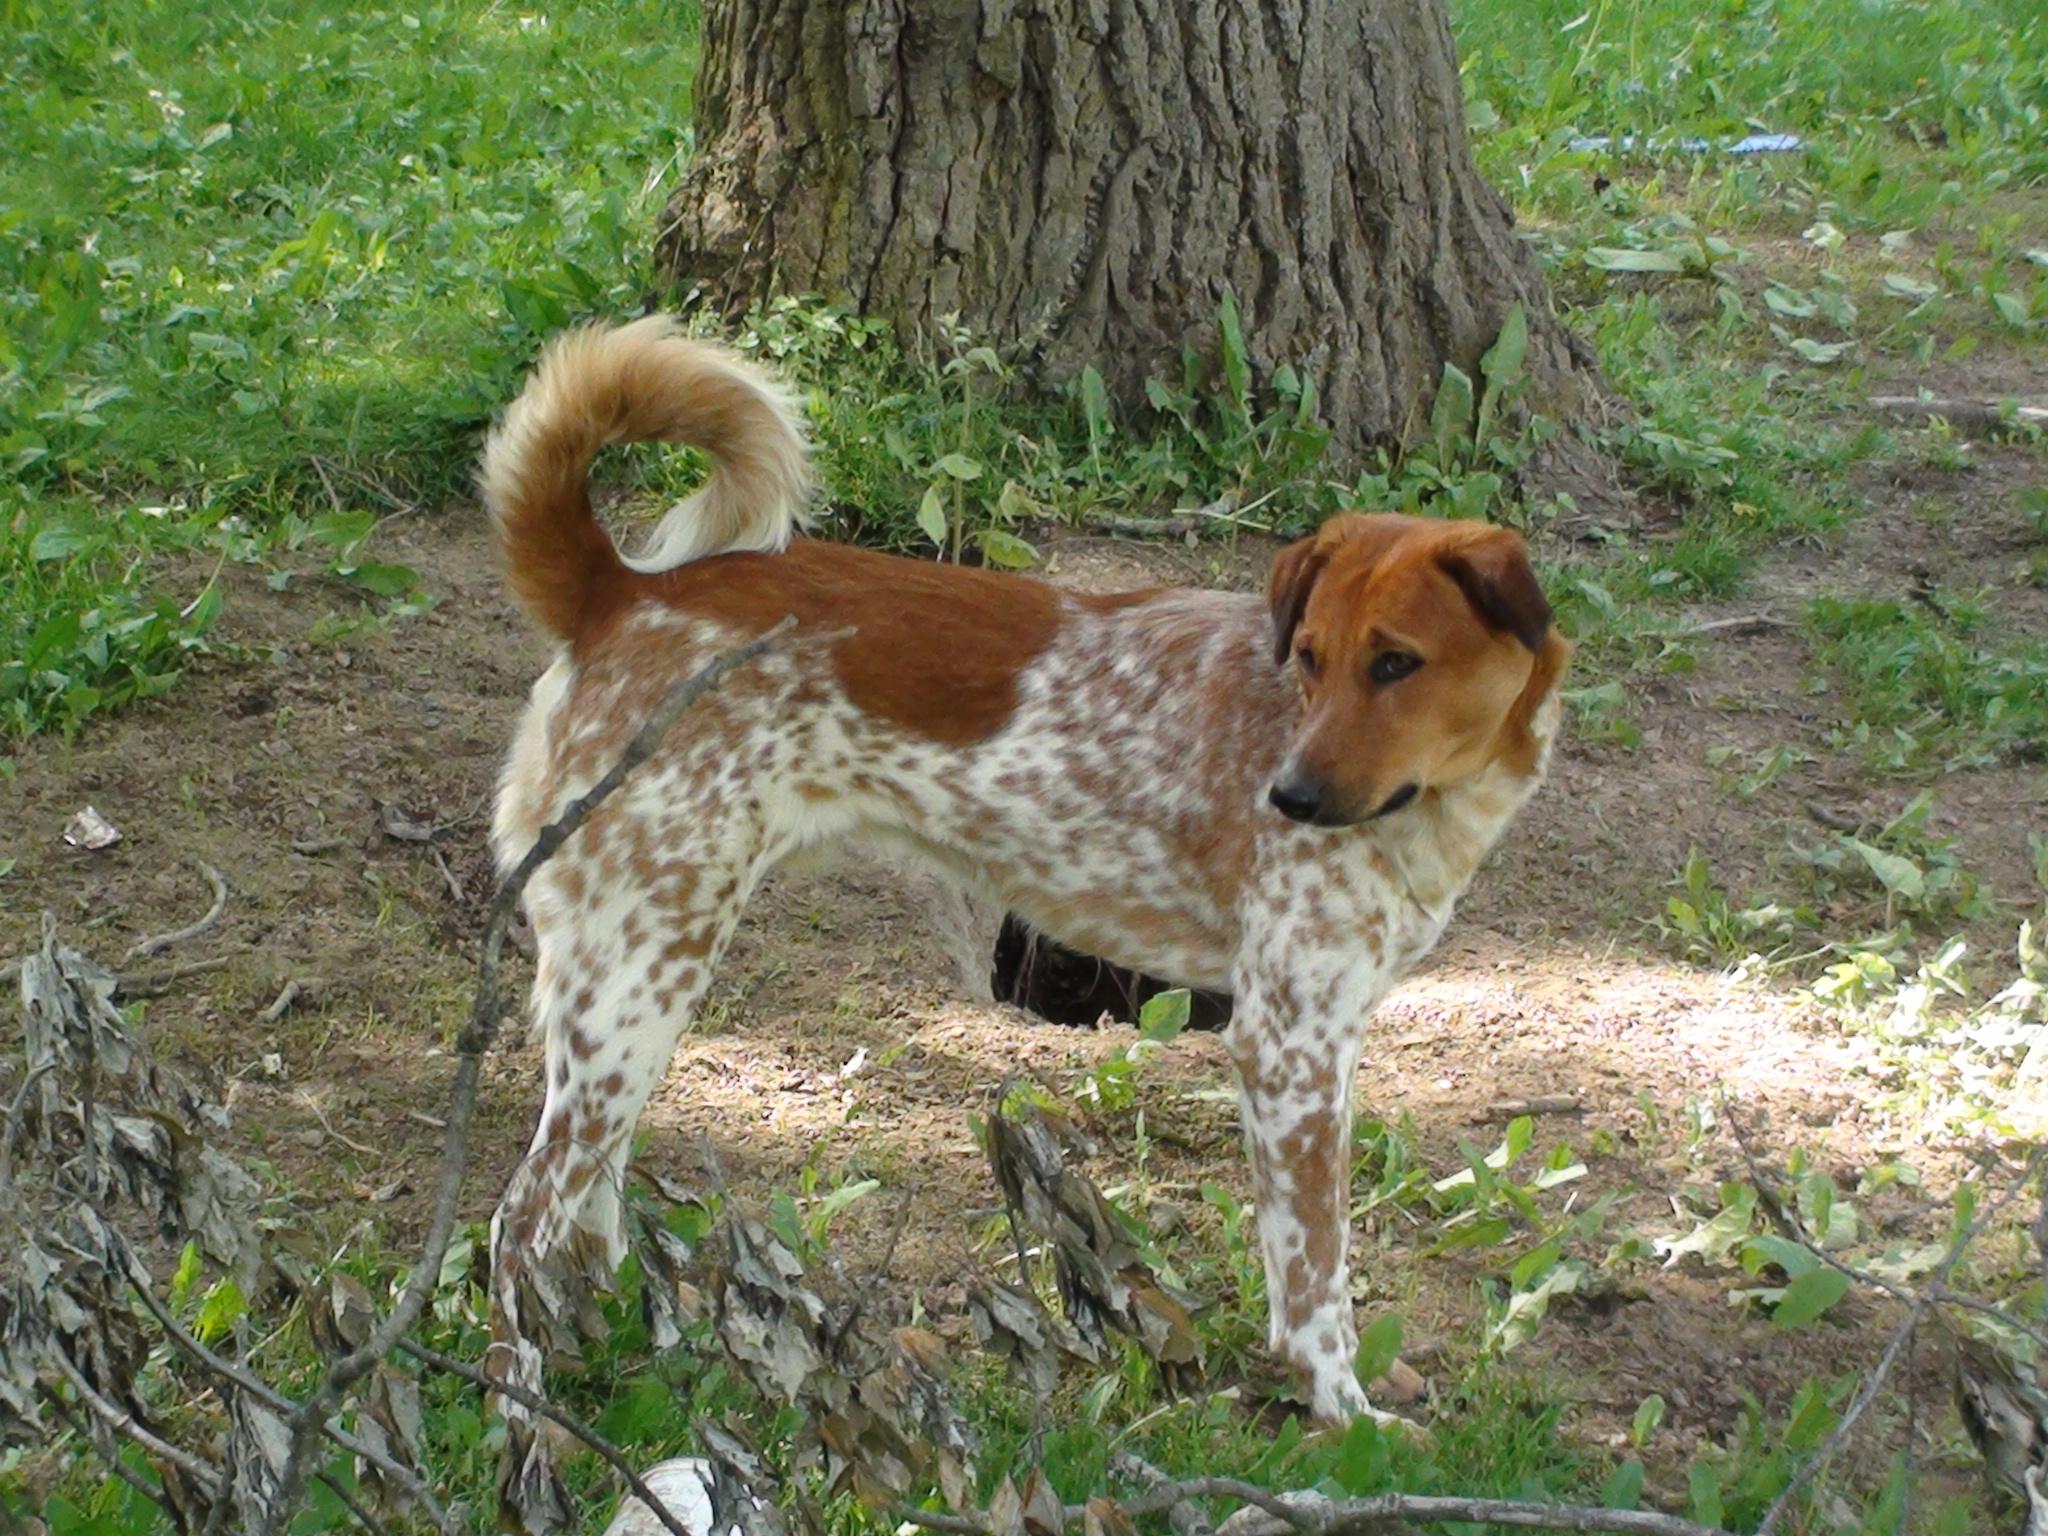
point(1741, 624)
point(533, 1402)
point(1928, 1296)
point(471, 1045)
point(125, 1424)
point(1350, 1517)
point(1542, 1104)
point(287, 998)
point(239, 1376)
point(157, 983)
point(1785, 1215)
point(1986, 417)
point(158, 943)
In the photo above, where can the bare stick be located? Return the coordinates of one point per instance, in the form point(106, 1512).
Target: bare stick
point(157, 983)
point(1786, 1216)
point(534, 1403)
point(7, 1127)
point(1741, 624)
point(120, 1468)
point(1901, 1338)
point(1542, 1104)
point(1356, 1517)
point(364, 1518)
point(287, 997)
point(163, 941)
point(471, 1045)
point(124, 1423)
point(1186, 1517)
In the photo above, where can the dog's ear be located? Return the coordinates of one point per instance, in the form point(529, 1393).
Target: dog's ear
point(1294, 575)
point(1495, 576)
point(1362, 536)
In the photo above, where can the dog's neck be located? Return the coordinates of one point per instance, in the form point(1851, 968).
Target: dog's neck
point(1438, 843)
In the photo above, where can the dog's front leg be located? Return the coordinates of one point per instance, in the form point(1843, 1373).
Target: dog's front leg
point(1295, 1055)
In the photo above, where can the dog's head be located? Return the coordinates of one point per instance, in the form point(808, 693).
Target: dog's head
point(1422, 649)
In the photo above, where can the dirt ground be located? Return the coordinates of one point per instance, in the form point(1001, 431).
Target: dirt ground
point(837, 1035)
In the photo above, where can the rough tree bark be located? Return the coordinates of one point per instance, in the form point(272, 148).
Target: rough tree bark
point(1081, 180)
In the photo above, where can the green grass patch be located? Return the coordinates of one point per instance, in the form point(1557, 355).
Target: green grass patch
point(239, 236)
point(1931, 685)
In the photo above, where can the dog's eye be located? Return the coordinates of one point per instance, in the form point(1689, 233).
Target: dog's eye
point(1306, 660)
point(1392, 666)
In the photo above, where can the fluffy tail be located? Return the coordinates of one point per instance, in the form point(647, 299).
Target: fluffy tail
point(627, 384)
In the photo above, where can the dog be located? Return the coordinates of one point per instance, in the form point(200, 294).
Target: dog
point(1280, 799)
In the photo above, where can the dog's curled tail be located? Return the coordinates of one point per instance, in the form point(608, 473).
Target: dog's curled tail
point(623, 384)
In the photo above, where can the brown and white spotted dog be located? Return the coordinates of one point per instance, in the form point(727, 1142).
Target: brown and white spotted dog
point(1277, 798)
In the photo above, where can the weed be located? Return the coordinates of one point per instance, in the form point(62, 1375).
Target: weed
point(1923, 688)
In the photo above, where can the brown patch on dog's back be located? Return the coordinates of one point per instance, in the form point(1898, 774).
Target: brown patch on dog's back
point(933, 649)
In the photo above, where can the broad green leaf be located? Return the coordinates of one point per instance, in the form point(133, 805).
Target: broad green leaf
point(1820, 353)
point(1714, 1239)
point(1502, 364)
point(1006, 550)
point(1526, 1309)
point(1450, 418)
point(1809, 1296)
point(1236, 361)
point(384, 580)
point(1786, 301)
point(839, 1199)
point(1608, 259)
point(957, 466)
point(1362, 1458)
point(1703, 1484)
point(1795, 1259)
point(1164, 1016)
point(207, 608)
point(1476, 1234)
point(1095, 403)
point(1649, 1415)
point(931, 515)
point(1899, 875)
point(1624, 1486)
point(56, 541)
point(2011, 308)
point(1379, 1346)
point(1910, 287)
point(223, 1305)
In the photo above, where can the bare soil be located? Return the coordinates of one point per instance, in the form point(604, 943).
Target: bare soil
point(838, 1037)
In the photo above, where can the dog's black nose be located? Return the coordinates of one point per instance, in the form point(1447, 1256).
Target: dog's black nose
point(1297, 799)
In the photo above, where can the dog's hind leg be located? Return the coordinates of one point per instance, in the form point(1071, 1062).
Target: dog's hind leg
point(630, 927)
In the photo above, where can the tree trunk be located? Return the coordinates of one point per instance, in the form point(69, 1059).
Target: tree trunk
point(1080, 181)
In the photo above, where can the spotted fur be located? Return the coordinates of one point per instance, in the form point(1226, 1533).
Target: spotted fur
point(1104, 767)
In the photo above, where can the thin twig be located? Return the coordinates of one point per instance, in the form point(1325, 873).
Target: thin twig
point(1354, 1517)
point(364, 1518)
point(14, 1108)
point(1186, 1517)
point(241, 1377)
point(1786, 1216)
point(157, 983)
point(287, 996)
point(1929, 1295)
point(327, 1125)
point(157, 943)
point(124, 1423)
point(120, 1468)
point(471, 1045)
point(534, 1403)
point(1740, 624)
